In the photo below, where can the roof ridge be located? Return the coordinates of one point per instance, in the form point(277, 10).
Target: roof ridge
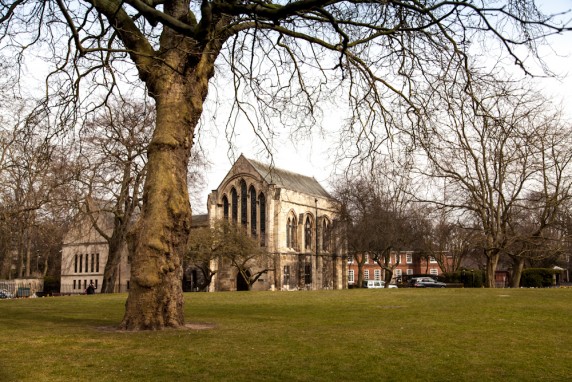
point(275, 168)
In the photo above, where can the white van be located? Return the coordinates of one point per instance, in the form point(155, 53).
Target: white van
point(376, 284)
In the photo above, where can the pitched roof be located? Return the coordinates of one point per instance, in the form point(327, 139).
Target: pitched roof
point(288, 180)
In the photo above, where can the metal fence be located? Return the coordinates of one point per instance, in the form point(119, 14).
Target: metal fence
point(22, 287)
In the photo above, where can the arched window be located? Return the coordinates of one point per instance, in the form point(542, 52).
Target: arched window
point(225, 207)
point(243, 205)
point(308, 233)
point(234, 204)
point(291, 231)
point(262, 205)
point(326, 235)
point(253, 215)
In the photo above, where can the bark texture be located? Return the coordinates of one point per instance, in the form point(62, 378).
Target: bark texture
point(158, 240)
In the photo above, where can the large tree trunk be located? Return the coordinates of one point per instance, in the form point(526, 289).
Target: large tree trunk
point(518, 266)
point(111, 271)
point(177, 78)
point(492, 261)
point(158, 240)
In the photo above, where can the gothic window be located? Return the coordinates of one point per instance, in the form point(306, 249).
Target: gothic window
point(253, 215)
point(291, 231)
point(308, 274)
point(326, 235)
point(225, 207)
point(286, 275)
point(262, 205)
point(308, 233)
point(243, 204)
point(234, 204)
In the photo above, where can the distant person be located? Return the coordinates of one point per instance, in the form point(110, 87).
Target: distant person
point(90, 289)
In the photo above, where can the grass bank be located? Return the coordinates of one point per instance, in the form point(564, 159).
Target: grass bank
point(351, 335)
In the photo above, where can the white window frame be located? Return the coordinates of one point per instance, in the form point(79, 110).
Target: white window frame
point(409, 258)
point(377, 274)
point(366, 275)
point(434, 272)
point(351, 276)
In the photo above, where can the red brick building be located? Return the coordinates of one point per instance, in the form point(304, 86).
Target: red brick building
point(409, 264)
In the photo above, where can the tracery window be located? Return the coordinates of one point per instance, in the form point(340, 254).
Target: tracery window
point(262, 205)
point(308, 233)
point(253, 215)
point(234, 204)
point(326, 235)
point(291, 231)
point(225, 207)
point(243, 204)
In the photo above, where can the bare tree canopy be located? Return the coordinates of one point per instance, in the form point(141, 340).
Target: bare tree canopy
point(284, 59)
point(504, 155)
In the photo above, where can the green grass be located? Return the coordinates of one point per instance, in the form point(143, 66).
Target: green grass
point(351, 335)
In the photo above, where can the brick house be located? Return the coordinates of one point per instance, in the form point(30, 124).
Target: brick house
point(409, 264)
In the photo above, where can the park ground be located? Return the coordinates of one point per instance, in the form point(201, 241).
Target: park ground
point(348, 335)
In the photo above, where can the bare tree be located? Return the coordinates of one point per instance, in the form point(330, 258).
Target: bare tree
point(450, 243)
point(113, 158)
point(201, 254)
point(493, 147)
point(379, 219)
point(228, 243)
point(283, 58)
point(34, 176)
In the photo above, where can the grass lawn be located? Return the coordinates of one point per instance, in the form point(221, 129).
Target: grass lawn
point(350, 335)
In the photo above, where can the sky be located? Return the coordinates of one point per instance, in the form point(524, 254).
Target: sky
point(312, 157)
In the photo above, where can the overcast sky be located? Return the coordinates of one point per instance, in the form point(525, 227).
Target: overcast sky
point(310, 157)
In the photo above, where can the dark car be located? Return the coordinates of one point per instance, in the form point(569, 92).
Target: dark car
point(427, 282)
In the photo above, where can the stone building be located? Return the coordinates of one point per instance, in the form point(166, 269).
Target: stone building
point(291, 215)
point(84, 255)
point(293, 218)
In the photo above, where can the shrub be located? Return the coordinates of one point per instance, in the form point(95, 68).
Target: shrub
point(469, 277)
point(537, 278)
point(51, 285)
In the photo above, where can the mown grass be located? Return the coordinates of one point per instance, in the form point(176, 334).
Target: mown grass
point(351, 335)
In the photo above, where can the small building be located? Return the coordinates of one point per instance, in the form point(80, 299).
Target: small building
point(84, 255)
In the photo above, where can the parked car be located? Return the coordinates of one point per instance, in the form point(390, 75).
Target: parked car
point(427, 282)
point(376, 284)
point(5, 294)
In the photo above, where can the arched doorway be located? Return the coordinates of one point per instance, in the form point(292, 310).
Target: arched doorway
point(241, 282)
